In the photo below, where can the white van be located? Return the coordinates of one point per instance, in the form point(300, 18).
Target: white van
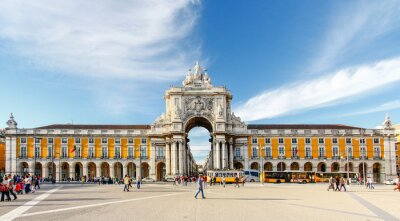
point(252, 175)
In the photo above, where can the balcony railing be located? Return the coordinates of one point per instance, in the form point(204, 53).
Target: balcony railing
point(77, 157)
point(322, 157)
point(117, 157)
point(363, 158)
point(130, 157)
point(282, 157)
point(268, 158)
point(255, 157)
point(351, 157)
point(295, 157)
point(104, 157)
point(335, 158)
point(22, 157)
point(144, 157)
point(308, 157)
point(64, 156)
point(160, 157)
point(238, 158)
point(377, 158)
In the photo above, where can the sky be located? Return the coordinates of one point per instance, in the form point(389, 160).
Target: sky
point(109, 62)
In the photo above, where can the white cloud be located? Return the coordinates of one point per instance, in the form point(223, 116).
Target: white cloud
point(120, 39)
point(353, 26)
point(326, 90)
point(383, 107)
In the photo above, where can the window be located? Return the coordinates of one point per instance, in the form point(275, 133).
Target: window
point(64, 140)
point(376, 140)
point(268, 152)
point(334, 140)
point(77, 140)
point(294, 140)
point(117, 140)
point(23, 152)
point(281, 151)
point(362, 140)
point(91, 140)
point(22, 139)
point(143, 141)
point(104, 152)
point(37, 151)
point(237, 152)
point(308, 151)
point(280, 140)
point(50, 140)
point(78, 152)
point(130, 140)
point(38, 140)
point(49, 151)
point(130, 152)
point(160, 152)
point(104, 140)
point(321, 151)
point(267, 140)
point(335, 151)
point(295, 151)
point(308, 140)
point(321, 140)
point(377, 151)
point(117, 152)
point(254, 140)
point(64, 152)
point(350, 151)
point(363, 151)
point(91, 152)
point(255, 152)
point(143, 151)
point(348, 140)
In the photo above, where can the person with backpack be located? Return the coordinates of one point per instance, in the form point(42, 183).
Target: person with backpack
point(11, 186)
point(4, 189)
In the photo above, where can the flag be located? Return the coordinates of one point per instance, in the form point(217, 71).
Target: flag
point(73, 149)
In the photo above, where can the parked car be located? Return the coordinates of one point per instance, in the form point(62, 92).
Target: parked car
point(169, 178)
point(391, 181)
point(148, 179)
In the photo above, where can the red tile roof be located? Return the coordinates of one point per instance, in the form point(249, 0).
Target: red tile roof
point(300, 126)
point(95, 127)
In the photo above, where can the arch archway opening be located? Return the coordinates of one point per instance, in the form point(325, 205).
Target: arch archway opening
point(308, 166)
point(268, 166)
point(161, 171)
point(199, 144)
point(118, 170)
point(281, 166)
point(91, 170)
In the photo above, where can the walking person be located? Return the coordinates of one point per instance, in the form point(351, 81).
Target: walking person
point(200, 185)
point(126, 182)
point(342, 184)
point(331, 183)
point(237, 181)
point(371, 181)
point(27, 183)
point(4, 189)
point(367, 186)
point(11, 186)
point(337, 180)
point(139, 182)
point(223, 181)
point(243, 180)
point(397, 184)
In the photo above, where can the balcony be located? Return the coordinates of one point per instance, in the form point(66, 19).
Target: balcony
point(255, 157)
point(237, 158)
point(130, 157)
point(308, 157)
point(160, 157)
point(268, 158)
point(377, 158)
point(322, 157)
point(91, 156)
point(144, 157)
point(104, 157)
point(281, 157)
point(117, 157)
point(64, 156)
point(295, 157)
point(335, 158)
point(363, 158)
point(77, 157)
point(22, 157)
point(351, 157)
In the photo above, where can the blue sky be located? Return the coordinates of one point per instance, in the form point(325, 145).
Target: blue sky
point(285, 62)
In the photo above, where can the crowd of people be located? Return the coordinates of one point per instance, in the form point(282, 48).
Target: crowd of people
point(21, 185)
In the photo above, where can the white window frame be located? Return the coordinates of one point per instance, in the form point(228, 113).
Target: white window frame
point(130, 141)
point(62, 140)
point(268, 152)
point(254, 151)
point(64, 151)
point(104, 151)
point(335, 140)
point(349, 139)
point(38, 150)
point(22, 139)
point(50, 139)
point(319, 151)
point(377, 153)
point(295, 140)
point(375, 140)
point(279, 140)
point(308, 153)
point(281, 153)
point(237, 150)
point(91, 139)
point(337, 154)
point(49, 151)
point(117, 151)
point(319, 140)
point(117, 139)
point(143, 151)
point(143, 140)
point(267, 140)
point(104, 139)
point(78, 152)
point(307, 139)
point(349, 151)
point(160, 152)
point(77, 140)
point(91, 152)
point(22, 151)
point(254, 140)
point(295, 153)
point(131, 152)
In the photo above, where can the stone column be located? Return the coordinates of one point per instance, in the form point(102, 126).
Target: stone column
point(224, 154)
point(152, 161)
point(112, 174)
point(218, 155)
point(231, 149)
point(138, 172)
point(246, 157)
point(167, 158)
point(174, 159)
point(181, 151)
point(124, 170)
point(85, 170)
point(57, 167)
point(98, 170)
point(71, 171)
point(45, 171)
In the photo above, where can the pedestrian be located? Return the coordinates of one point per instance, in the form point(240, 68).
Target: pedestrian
point(11, 186)
point(126, 182)
point(4, 189)
point(367, 184)
point(223, 181)
point(138, 183)
point(243, 181)
point(36, 182)
point(331, 183)
point(342, 184)
point(200, 187)
point(371, 181)
point(397, 184)
point(27, 183)
point(337, 180)
point(237, 181)
point(18, 188)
